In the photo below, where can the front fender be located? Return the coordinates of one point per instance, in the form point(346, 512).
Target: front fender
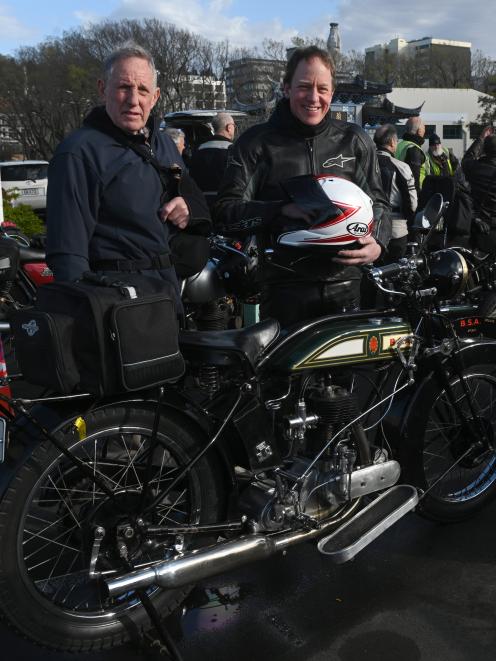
point(401, 424)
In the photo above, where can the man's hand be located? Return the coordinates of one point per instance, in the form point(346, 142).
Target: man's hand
point(175, 211)
point(367, 254)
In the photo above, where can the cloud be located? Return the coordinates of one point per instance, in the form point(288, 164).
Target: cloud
point(361, 23)
point(11, 28)
point(208, 19)
point(87, 18)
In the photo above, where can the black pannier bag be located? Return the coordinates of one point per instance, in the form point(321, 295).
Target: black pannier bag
point(101, 336)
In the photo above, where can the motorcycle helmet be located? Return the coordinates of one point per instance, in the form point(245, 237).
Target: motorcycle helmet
point(341, 212)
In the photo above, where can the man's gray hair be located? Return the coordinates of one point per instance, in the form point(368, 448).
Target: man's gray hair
point(221, 120)
point(175, 134)
point(384, 135)
point(413, 124)
point(123, 52)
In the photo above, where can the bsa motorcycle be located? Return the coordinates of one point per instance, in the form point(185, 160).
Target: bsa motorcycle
point(329, 432)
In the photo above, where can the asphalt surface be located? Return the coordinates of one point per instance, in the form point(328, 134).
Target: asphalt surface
point(421, 592)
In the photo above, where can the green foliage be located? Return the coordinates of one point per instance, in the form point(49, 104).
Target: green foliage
point(21, 215)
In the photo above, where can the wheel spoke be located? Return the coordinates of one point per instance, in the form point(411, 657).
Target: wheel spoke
point(448, 447)
point(67, 505)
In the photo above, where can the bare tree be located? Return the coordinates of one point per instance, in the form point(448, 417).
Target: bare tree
point(45, 92)
point(483, 72)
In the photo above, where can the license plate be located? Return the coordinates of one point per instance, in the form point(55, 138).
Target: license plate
point(31, 191)
point(3, 440)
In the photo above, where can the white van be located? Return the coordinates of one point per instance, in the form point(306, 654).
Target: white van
point(29, 178)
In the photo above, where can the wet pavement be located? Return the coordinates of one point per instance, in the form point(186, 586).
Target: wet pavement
point(421, 592)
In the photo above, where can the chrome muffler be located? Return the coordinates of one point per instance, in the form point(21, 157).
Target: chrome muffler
point(203, 563)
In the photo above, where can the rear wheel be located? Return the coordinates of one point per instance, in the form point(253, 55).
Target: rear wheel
point(49, 515)
point(456, 463)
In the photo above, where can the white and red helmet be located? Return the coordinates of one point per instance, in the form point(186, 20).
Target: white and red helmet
point(353, 217)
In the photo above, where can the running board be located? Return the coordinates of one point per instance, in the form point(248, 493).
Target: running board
point(343, 544)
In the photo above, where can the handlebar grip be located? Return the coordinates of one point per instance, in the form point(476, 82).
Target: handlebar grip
point(379, 272)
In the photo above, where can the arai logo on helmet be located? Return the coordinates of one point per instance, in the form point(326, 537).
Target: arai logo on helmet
point(358, 229)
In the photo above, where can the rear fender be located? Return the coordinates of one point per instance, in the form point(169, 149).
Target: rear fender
point(24, 436)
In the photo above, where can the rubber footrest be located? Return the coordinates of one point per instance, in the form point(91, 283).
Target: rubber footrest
point(343, 544)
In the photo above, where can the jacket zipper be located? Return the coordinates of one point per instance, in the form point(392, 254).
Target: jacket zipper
point(309, 142)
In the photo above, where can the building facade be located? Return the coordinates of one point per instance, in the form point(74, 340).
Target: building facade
point(203, 92)
point(451, 113)
point(434, 62)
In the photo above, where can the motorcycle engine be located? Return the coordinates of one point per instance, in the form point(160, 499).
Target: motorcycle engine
point(321, 486)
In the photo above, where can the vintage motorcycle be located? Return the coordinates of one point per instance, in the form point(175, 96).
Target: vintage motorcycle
point(329, 432)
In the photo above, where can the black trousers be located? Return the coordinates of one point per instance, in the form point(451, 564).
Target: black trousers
point(303, 301)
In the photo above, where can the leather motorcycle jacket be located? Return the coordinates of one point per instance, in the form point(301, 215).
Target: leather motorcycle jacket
point(480, 171)
point(251, 197)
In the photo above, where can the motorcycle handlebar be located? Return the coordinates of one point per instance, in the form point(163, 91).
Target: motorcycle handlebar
point(379, 272)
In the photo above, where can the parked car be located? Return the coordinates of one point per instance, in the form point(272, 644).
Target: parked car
point(30, 180)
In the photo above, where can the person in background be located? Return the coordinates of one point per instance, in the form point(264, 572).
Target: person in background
point(479, 167)
point(301, 138)
point(178, 137)
point(209, 161)
point(399, 187)
point(410, 150)
point(110, 208)
point(442, 163)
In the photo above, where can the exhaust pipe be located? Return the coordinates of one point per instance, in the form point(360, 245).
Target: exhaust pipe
point(203, 563)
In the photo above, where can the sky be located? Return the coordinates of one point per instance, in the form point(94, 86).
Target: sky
point(362, 23)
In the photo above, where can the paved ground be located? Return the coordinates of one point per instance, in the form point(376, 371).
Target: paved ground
point(422, 592)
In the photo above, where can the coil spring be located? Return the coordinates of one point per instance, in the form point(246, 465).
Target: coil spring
point(212, 317)
point(5, 288)
point(209, 379)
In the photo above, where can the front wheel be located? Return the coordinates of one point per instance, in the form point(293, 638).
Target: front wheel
point(49, 515)
point(454, 462)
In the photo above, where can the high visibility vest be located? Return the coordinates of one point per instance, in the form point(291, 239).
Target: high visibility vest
point(403, 147)
point(434, 165)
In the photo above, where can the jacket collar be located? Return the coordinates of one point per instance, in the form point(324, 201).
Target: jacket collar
point(98, 119)
point(283, 119)
point(413, 137)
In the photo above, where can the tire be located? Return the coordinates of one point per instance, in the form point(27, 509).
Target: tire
point(51, 509)
point(459, 478)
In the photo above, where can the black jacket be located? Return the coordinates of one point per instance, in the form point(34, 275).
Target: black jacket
point(104, 199)
point(208, 164)
point(251, 197)
point(480, 172)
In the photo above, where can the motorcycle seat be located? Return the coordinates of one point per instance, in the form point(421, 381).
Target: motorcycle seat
point(31, 255)
point(219, 347)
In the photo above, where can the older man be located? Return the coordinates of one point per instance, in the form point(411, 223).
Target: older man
point(209, 161)
point(399, 186)
point(410, 150)
point(178, 138)
point(301, 138)
point(112, 204)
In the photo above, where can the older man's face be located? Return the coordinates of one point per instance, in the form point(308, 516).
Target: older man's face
point(129, 94)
